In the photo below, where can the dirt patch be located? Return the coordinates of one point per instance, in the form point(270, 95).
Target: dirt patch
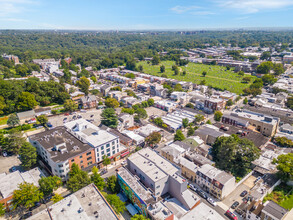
point(250, 181)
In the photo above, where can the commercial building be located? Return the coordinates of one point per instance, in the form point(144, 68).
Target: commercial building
point(9, 182)
point(216, 182)
point(103, 142)
point(86, 203)
point(59, 149)
point(212, 104)
point(165, 105)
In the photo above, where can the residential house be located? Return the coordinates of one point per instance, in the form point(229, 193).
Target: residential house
point(89, 101)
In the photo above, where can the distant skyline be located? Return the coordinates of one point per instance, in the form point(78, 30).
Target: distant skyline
point(144, 15)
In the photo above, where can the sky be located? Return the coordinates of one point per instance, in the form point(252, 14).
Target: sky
point(144, 14)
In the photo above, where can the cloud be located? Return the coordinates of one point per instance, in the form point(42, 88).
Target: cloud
point(182, 9)
point(14, 19)
point(9, 7)
point(253, 6)
point(202, 13)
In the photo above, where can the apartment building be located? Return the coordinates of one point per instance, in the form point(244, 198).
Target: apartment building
point(103, 142)
point(89, 101)
point(214, 181)
point(212, 104)
point(59, 149)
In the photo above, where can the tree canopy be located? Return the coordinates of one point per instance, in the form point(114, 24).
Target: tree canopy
point(48, 184)
point(284, 164)
point(109, 118)
point(28, 155)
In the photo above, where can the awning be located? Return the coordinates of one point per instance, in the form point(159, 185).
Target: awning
point(124, 154)
point(131, 209)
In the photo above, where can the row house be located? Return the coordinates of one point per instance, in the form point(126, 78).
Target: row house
point(212, 104)
point(158, 90)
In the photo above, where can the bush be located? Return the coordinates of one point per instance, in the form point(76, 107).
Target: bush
point(54, 112)
point(25, 127)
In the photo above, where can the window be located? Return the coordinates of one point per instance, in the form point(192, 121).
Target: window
point(88, 153)
point(113, 143)
point(89, 158)
point(60, 165)
point(113, 148)
point(152, 186)
point(80, 156)
point(61, 171)
point(98, 155)
point(158, 187)
point(134, 170)
point(108, 150)
point(81, 161)
point(108, 145)
point(82, 167)
point(103, 153)
point(102, 148)
point(113, 152)
point(108, 154)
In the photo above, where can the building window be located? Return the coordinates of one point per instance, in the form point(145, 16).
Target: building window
point(89, 158)
point(108, 145)
point(80, 156)
point(82, 167)
point(98, 154)
point(108, 154)
point(158, 187)
point(88, 153)
point(61, 171)
point(113, 152)
point(60, 165)
point(113, 143)
point(103, 153)
point(108, 150)
point(113, 148)
point(81, 161)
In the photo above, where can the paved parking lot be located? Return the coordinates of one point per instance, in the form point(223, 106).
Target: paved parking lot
point(152, 111)
point(58, 119)
point(8, 162)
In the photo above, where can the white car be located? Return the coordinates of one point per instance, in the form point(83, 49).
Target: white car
point(211, 201)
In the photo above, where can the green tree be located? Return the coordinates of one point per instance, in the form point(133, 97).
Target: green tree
point(48, 184)
point(285, 166)
point(77, 178)
point(245, 101)
point(204, 73)
point(151, 102)
point(28, 155)
point(184, 73)
point(13, 120)
point(176, 71)
point(218, 115)
point(268, 79)
point(185, 122)
point(112, 184)
point(94, 79)
point(209, 122)
point(158, 121)
point(203, 82)
point(111, 103)
point(229, 102)
point(26, 101)
point(106, 161)
point(153, 138)
point(2, 209)
point(246, 79)
point(178, 88)
point(130, 75)
point(140, 68)
point(84, 84)
point(56, 198)
point(198, 118)
point(13, 141)
point(141, 113)
point(278, 69)
point(97, 179)
point(139, 217)
point(116, 203)
point(241, 73)
point(234, 155)
point(26, 195)
point(179, 136)
point(162, 69)
point(131, 64)
point(265, 55)
point(265, 67)
point(2, 105)
point(43, 120)
point(109, 118)
point(190, 131)
point(70, 105)
point(156, 60)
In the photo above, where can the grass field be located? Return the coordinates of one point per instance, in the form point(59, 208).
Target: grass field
point(217, 76)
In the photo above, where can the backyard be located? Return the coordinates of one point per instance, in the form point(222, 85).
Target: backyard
point(283, 195)
point(217, 76)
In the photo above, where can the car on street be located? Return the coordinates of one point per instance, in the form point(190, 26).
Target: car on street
point(82, 110)
point(37, 204)
point(12, 169)
point(79, 116)
point(202, 194)
point(66, 114)
point(49, 125)
point(104, 171)
point(231, 215)
point(4, 154)
point(234, 205)
point(192, 187)
point(92, 116)
point(26, 215)
point(244, 193)
point(211, 201)
point(123, 163)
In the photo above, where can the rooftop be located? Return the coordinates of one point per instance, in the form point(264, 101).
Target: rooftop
point(274, 209)
point(255, 116)
point(61, 144)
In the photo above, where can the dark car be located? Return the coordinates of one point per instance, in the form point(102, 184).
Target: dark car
point(231, 215)
point(202, 194)
point(234, 205)
point(37, 204)
point(26, 215)
point(244, 193)
point(103, 172)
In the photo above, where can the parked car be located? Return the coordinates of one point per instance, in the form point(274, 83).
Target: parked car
point(66, 114)
point(37, 204)
point(123, 163)
point(104, 171)
point(49, 125)
point(92, 116)
point(4, 154)
point(82, 110)
point(234, 205)
point(26, 215)
point(79, 116)
point(192, 187)
point(12, 169)
point(202, 194)
point(231, 215)
point(257, 179)
point(211, 201)
point(244, 193)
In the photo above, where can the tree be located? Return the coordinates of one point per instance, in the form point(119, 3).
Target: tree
point(26, 101)
point(278, 69)
point(77, 178)
point(94, 79)
point(190, 131)
point(234, 155)
point(184, 73)
point(13, 120)
point(203, 82)
point(70, 105)
point(162, 69)
point(111, 103)
point(112, 184)
point(43, 120)
point(179, 136)
point(28, 155)
point(246, 79)
point(106, 161)
point(151, 102)
point(140, 68)
point(153, 138)
point(109, 118)
point(268, 79)
point(97, 179)
point(84, 84)
point(245, 101)
point(131, 64)
point(48, 184)
point(159, 121)
point(185, 122)
point(56, 198)
point(198, 118)
point(265, 55)
point(218, 115)
point(241, 73)
point(285, 166)
point(116, 203)
point(204, 73)
point(229, 102)
point(138, 217)
point(265, 67)
point(189, 105)
point(209, 122)
point(164, 76)
point(156, 60)
point(13, 141)
point(2, 209)
point(26, 195)
point(130, 75)
point(178, 88)
point(141, 113)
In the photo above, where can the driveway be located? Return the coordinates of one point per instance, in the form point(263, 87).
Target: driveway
point(7, 162)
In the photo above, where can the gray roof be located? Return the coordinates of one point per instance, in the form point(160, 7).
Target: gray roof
point(89, 98)
point(26, 115)
point(275, 210)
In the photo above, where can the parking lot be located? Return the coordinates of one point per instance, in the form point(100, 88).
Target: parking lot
point(95, 113)
point(6, 163)
point(152, 111)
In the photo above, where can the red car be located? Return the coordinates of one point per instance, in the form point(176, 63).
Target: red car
point(66, 114)
point(231, 215)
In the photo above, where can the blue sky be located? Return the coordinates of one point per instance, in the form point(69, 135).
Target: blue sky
point(144, 14)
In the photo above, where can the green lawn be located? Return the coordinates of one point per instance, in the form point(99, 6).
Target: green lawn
point(217, 76)
point(3, 120)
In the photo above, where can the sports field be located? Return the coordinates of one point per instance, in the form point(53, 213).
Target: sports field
point(217, 76)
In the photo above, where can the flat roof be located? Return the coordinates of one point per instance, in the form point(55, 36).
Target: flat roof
point(59, 136)
point(87, 203)
point(255, 116)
